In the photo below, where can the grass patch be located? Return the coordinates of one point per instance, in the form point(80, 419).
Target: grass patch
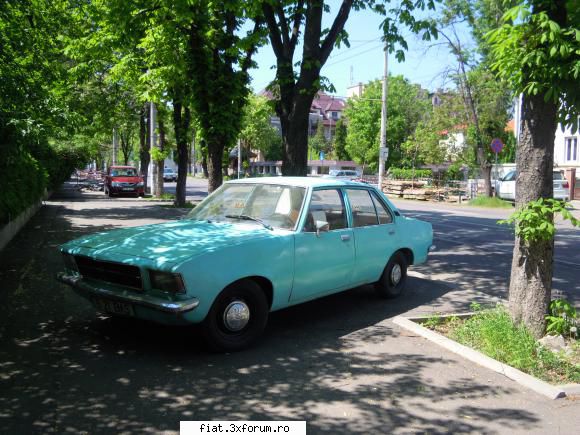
point(163, 197)
point(491, 202)
point(493, 333)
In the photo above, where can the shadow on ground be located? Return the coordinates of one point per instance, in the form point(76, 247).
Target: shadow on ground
point(338, 362)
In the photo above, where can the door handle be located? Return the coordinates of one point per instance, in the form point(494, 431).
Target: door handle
point(344, 237)
point(392, 232)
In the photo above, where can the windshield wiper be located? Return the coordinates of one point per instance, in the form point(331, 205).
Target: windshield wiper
point(245, 217)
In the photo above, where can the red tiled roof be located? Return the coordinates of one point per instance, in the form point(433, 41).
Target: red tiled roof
point(510, 126)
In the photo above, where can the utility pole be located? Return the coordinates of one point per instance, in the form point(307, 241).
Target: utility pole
point(383, 150)
point(239, 157)
point(150, 175)
point(115, 146)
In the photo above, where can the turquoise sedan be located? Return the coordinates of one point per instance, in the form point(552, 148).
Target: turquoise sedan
point(252, 247)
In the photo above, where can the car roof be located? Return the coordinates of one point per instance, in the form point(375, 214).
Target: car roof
point(299, 181)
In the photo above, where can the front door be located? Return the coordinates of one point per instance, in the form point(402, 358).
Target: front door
point(324, 261)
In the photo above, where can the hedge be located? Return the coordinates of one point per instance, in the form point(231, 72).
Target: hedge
point(27, 174)
point(409, 174)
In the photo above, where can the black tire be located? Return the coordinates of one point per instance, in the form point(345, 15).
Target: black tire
point(222, 338)
point(394, 278)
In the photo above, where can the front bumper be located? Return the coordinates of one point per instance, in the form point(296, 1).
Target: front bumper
point(88, 290)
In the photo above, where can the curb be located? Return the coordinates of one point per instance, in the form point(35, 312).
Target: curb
point(528, 381)
point(9, 231)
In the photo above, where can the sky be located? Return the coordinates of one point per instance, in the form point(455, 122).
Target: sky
point(425, 63)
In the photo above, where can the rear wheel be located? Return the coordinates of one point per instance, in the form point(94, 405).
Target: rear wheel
point(237, 317)
point(394, 277)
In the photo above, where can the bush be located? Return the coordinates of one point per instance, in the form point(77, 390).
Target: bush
point(23, 183)
point(27, 174)
point(408, 174)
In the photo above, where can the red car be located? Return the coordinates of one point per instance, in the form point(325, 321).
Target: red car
point(123, 179)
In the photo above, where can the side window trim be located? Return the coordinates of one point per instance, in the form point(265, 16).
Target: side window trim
point(351, 211)
point(340, 194)
point(375, 196)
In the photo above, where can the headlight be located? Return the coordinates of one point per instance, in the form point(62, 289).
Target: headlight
point(115, 184)
point(166, 281)
point(140, 184)
point(69, 262)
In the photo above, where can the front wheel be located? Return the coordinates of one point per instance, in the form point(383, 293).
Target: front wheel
point(237, 317)
point(394, 277)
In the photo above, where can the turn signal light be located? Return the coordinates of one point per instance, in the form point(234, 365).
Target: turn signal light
point(166, 281)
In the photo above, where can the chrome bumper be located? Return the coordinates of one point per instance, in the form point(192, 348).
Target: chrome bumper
point(87, 290)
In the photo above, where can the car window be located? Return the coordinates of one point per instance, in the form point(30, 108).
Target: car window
point(277, 206)
point(326, 205)
point(385, 216)
point(558, 175)
point(511, 176)
point(363, 209)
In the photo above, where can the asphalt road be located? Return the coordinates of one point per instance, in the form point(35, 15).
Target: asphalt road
point(339, 362)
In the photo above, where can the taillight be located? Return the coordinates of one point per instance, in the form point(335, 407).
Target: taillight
point(565, 185)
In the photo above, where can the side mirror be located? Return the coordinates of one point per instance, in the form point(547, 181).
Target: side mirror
point(321, 226)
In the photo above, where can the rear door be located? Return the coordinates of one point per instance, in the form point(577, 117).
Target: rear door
point(375, 234)
point(323, 262)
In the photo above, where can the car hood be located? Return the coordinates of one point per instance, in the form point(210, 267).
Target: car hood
point(172, 242)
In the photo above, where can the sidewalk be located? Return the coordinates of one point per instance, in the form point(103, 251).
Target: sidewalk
point(339, 363)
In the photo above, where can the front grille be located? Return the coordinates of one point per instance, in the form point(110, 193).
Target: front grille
point(113, 273)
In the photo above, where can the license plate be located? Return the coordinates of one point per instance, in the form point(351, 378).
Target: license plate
point(113, 307)
point(128, 188)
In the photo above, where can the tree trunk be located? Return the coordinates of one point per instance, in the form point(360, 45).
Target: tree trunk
point(532, 265)
point(295, 142)
point(144, 145)
point(181, 120)
point(215, 153)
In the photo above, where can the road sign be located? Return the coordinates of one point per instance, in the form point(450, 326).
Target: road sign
point(496, 145)
point(384, 152)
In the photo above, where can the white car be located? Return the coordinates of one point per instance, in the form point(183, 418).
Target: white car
point(342, 174)
point(505, 188)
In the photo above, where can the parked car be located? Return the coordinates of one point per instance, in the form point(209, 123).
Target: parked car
point(123, 180)
point(252, 247)
point(169, 175)
point(342, 174)
point(505, 187)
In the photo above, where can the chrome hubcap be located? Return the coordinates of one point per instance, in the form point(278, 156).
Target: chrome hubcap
point(236, 316)
point(396, 274)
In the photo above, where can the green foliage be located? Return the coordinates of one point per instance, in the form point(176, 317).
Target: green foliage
point(24, 183)
point(433, 321)
point(493, 333)
point(406, 105)
point(562, 318)
point(537, 52)
point(409, 174)
point(535, 221)
point(318, 142)
point(490, 202)
point(257, 133)
point(158, 154)
point(340, 141)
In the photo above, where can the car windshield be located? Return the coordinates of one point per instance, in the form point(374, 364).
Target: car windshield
point(269, 205)
point(168, 171)
point(558, 175)
point(123, 172)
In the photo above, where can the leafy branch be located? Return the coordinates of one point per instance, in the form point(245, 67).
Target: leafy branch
point(535, 221)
